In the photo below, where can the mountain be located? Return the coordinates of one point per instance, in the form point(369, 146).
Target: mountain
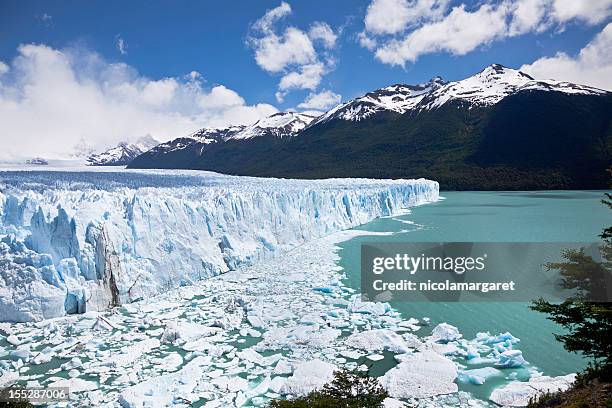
point(123, 153)
point(187, 152)
point(498, 129)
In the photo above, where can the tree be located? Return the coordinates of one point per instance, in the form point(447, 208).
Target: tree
point(588, 323)
point(347, 390)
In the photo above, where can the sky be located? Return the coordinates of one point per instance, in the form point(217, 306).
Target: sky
point(91, 74)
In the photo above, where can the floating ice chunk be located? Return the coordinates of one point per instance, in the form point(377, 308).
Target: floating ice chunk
point(277, 384)
point(412, 324)
point(421, 375)
point(375, 308)
point(308, 377)
point(375, 357)
point(444, 332)
point(8, 377)
point(251, 355)
point(230, 384)
point(518, 394)
point(511, 358)
point(445, 348)
point(22, 353)
point(282, 367)
point(378, 340)
point(161, 391)
point(75, 385)
point(486, 338)
point(352, 354)
point(134, 351)
point(12, 339)
point(256, 321)
point(478, 376)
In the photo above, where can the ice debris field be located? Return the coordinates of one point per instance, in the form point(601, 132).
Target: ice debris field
point(153, 289)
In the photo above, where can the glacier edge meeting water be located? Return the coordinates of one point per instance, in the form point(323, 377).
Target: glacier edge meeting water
point(72, 242)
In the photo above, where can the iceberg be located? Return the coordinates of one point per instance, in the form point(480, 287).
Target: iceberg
point(422, 374)
point(518, 394)
point(77, 241)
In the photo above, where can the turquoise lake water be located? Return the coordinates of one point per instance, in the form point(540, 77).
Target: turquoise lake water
point(551, 216)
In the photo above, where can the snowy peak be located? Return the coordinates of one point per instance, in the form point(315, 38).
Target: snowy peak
point(123, 153)
point(280, 125)
point(396, 98)
point(487, 87)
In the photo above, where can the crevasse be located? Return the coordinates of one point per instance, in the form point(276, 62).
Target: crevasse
point(73, 242)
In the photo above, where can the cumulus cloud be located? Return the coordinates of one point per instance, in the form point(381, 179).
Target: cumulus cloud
point(322, 32)
point(300, 58)
point(320, 101)
point(52, 99)
point(592, 11)
point(393, 16)
point(400, 31)
point(592, 66)
point(459, 33)
point(307, 77)
point(275, 53)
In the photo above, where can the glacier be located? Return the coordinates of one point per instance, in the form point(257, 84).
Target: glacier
point(73, 241)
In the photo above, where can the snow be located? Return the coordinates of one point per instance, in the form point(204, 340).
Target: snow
point(123, 153)
point(518, 394)
point(279, 125)
point(395, 98)
point(81, 241)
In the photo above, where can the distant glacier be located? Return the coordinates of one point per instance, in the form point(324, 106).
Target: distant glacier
point(82, 240)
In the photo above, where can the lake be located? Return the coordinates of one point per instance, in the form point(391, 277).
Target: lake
point(550, 216)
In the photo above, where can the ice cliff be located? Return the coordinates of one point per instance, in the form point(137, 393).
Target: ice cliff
point(74, 241)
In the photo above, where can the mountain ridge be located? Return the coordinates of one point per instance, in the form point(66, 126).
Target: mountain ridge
point(447, 131)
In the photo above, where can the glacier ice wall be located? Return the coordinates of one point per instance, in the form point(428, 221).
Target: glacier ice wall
point(77, 241)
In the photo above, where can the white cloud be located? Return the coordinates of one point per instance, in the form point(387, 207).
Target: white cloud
point(592, 11)
point(266, 22)
point(291, 52)
point(393, 16)
point(308, 77)
point(528, 15)
point(121, 45)
point(323, 32)
point(320, 101)
point(592, 66)
point(51, 99)
point(366, 41)
point(275, 53)
point(400, 31)
point(459, 33)
point(3, 68)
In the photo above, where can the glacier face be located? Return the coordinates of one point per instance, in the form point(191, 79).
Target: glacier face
point(73, 241)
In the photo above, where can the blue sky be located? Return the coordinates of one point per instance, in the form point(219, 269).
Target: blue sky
point(361, 46)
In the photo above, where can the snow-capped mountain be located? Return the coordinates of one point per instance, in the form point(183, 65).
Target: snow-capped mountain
point(493, 84)
point(279, 125)
point(186, 151)
point(200, 138)
point(123, 153)
point(498, 129)
point(486, 88)
point(396, 98)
